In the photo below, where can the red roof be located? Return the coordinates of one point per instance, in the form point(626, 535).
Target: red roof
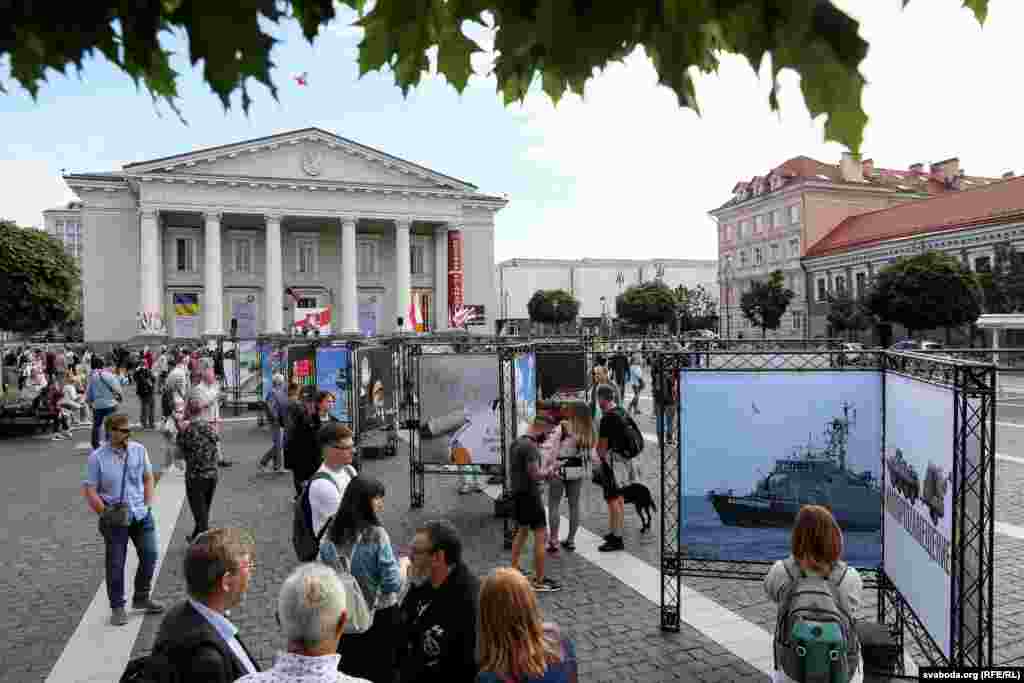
point(986, 204)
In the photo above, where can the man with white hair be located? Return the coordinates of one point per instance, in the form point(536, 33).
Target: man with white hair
point(277, 409)
point(312, 610)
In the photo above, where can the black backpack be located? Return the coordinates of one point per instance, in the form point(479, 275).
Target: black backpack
point(632, 440)
point(306, 542)
point(160, 666)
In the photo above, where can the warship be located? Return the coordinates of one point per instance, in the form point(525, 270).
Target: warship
point(810, 476)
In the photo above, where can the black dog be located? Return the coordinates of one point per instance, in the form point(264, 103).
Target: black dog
point(640, 496)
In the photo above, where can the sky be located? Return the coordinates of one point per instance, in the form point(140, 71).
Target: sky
point(737, 424)
point(580, 176)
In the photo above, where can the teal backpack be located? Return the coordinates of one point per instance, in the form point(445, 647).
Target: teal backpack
point(815, 639)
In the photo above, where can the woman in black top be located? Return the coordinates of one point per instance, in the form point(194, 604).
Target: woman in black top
point(199, 446)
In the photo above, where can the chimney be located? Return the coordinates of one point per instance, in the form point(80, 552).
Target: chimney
point(1007, 175)
point(850, 168)
point(868, 167)
point(917, 168)
point(946, 170)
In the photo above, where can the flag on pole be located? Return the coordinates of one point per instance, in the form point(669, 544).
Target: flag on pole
point(414, 315)
point(462, 316)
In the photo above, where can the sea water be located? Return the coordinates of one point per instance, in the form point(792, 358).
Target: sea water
point(704, 536)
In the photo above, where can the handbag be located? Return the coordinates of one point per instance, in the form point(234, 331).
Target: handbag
point(117, 514)
point(573, 467)
point(360, 615)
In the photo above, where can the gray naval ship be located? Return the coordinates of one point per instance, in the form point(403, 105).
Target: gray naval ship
point(811, 476)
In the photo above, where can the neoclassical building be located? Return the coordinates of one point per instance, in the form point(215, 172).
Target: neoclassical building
point(272, 230)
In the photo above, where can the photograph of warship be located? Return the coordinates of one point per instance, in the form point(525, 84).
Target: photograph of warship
point(810, 476)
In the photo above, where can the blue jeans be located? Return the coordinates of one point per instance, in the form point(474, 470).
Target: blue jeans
point(98, 416)
point(142, 534)
point(666, 419)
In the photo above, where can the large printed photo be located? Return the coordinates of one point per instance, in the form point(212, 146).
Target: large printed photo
point(562, 375)
point(756, 446)
point(333, 375)
point(526, 387)
point(459, 409)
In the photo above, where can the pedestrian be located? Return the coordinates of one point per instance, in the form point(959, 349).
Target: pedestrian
point(636, 379)
point(118, 487)
point(209, 395)
point(515, 643)
point(327, 486)
point(665, 394)
point(71, 401)
point(617, 471)
point(312, 610)
point(276, 404)
point(199, 444)
point(145, 389)
point(204, 645)
point(61, 415)
point(574, 455)
point(359, 543)
point(103, 395)
point(526, 472)
point(302, 454)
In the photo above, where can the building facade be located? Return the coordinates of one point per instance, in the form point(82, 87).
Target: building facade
point(772, 220)
point(594, 282)
point(300, 226)
point(967, 225)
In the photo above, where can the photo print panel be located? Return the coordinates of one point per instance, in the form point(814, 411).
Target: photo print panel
point(561, 375)
point(300, 365)
point(375, 389)
point(334, 375)
point(459, 409)
point(756, 446)
point(526, 389)
point(272, 361)
point(919, 499)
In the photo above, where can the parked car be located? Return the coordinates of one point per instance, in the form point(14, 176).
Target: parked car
point(852, 352)
point(916, 345)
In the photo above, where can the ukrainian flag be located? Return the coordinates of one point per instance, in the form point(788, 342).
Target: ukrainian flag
point(186, 304)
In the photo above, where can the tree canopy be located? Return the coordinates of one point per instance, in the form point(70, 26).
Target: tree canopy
point(554, 306)
point(766, 301)
point(847, 313)
point(647, 303)
point(561, 43)
point(925, 292)
point(38, 279)
point(696, 308)
point(1002, 284)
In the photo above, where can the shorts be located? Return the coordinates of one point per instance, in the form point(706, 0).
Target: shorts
point(528, 510)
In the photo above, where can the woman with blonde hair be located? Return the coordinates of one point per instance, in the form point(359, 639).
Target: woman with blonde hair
point(573, 467)
point(817, 544)
point(515, 643)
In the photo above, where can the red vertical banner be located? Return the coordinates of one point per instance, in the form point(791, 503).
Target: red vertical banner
point(455, 283)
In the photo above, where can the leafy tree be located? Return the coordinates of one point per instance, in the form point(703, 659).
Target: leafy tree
point(847, 313)
point(38, 279)
point(1002, 285)
point(646, 304)
point(925, 292)
point(696, 308)
point(561, 43)
point(553, 306)
point(765, 302)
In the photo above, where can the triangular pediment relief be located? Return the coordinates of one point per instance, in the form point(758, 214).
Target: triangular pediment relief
point(310, 155)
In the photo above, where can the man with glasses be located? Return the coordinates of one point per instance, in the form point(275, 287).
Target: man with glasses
point(118, 472)
point(201, 643)
point(439, 612)
point(328, 484)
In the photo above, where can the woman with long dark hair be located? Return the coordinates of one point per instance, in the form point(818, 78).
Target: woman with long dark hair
point(358, 542)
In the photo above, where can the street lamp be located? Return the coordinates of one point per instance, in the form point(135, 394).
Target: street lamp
point(727, 273)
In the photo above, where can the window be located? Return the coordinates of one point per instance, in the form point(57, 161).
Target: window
point(758, 256)
point(794, 214)
point(743, 259)
point(983, 264)
point(840, 285)
point(241, 255)
point(367, 256)
point(775, 252)
point(416, 259)
point(305, 256)
point(861, 280)
point(798, 320)
point(822, 289)
point(185, 252)
point(758, 223)
point(794, 247)
point(777, 218)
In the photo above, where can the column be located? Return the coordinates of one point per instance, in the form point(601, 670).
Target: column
point(441, 320)
point(213, 277)
point(150, 315)
point(274, 293)
point(349, 316)
point(402, 280)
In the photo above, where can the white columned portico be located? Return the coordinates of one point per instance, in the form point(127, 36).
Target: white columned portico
point(275, 278)
point(402, 273)
point(213, 277)
point(151, 312)
point(441, 317)
point(349, 296)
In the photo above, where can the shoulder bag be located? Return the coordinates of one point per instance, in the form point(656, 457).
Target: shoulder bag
point(116, 514)
point(360, 614)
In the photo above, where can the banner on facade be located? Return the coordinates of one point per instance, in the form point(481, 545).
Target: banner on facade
point(455, 286)
point(243, 310)
point(369, 313)
point(186, 315)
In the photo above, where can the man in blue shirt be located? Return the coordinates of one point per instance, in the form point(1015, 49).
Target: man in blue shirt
point(277, 409)
point(120, 471)
point(102, 394)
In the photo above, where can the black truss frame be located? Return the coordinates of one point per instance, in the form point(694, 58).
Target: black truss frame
point(974, 392)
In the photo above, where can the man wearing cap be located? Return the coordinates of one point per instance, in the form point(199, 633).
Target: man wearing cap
point(330, 481)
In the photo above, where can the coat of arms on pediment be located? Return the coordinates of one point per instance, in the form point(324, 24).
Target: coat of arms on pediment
point(313, 161)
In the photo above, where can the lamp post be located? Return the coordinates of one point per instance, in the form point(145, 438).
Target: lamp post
point(727, 272)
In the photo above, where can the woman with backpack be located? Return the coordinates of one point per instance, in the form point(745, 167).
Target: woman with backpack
point(574, 453)
point(818, 596)
point(359, 544)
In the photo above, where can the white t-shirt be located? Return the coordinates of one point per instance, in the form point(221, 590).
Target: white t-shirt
point(324, 497)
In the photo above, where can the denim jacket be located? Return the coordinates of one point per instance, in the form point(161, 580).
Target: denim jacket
point(373, 565)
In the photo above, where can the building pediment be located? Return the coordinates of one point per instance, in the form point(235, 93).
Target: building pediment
point(308, 155)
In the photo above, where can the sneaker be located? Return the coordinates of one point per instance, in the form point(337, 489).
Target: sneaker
point(613, 544)
point(118, 617)
point(568, 545)
point(465, 488)
point(58, 437)
point(608, 537)
point(148, 606)
point(263, 468)
point(546, 586)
